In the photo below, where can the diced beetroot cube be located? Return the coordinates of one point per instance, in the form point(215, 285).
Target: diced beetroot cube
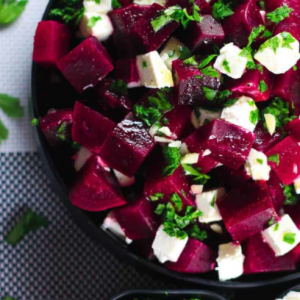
point(145, 38)
point(288, 168)
point(295, 255)
point(127, 146)
point(188, 88)
point(179, 121)
point(260, 258)
point(263, 140)
point(86, 65)
point(90, 128)
point(249, 85)
point(202, 36)
point(293, 128)
point(229, 144)
point(123, 20)
point(205, 8)
point(247, 210)
point(137, 219)
point(276, 191)
point(239, 26)
point(57, 124)
point(168, 185)
point(195, 258)
point(51, 43)
point(126, 70)
point(95, 188)
point(207, 163)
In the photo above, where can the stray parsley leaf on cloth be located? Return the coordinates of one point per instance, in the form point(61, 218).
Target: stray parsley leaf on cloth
point(11, 10)
point(29, 222)
point(279, 14)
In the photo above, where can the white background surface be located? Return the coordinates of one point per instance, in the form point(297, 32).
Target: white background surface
point(16, 43)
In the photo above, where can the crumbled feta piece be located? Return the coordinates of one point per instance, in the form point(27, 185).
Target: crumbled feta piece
point(149, 2)
point(175, 144)
point(153, 71)
point(283, 236)
point(102, 27)
point(201, 116)
point(196, 189)
point(165, 130)
point(123, 179)
point(279, 53)
point(291, 296)
point(257, 165)
point(206, 203)
point(297, 186)
point(111, 224)
point(161, 139)
point(167, 248)
point(183, 149)
point(230, 62)
point(92, 7)
point(243, 113)
point(171, 51)
point(216, 228)
point(153, 129)
point(206, 152)
point(190, 158)
point(230, 261)
point(271, 123)
point(81, 158)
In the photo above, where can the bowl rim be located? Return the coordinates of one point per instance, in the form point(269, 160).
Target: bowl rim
point(294, 288)
point(106, 239)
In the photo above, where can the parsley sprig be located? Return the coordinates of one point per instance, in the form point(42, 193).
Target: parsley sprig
point(279, 14)
point(196, 174)
point(10, 10)
point(221, 10)
point(290, 195)
point(172, 157)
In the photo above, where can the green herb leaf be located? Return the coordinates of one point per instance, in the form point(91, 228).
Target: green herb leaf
point(11, 106)
point(172, 156)
point(255, 33)
point(260, 161)
point(210, 72)
point(279, 14)
point(3, 132)
point(254, 116)
point(9, 298)
point(29, 222)
point(271, 222)
point(191, 61)
point(204, 62)
point(213, 201)
point(226, 66)
point(196, 233)
point(290, 195)
point(160, 209)
point(221, 10)
point(229, 102)
point(35, 122)
point(274, 158)
point(276, 227)
point(287, 40)
point(93, 21)
point(115, 4)
point(177, 201)
point(184, 53)
point(209, 93)
point(67, 12)
point(263, 86)
point(198, 177)
point(289, 238)
point(10, 10)
point(156, 196)
point(118, 87)
point(145, 65)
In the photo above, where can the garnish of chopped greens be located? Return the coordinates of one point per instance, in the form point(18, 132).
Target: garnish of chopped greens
point(221, 10)
point(279, 14)
point(172, 157)
point(10, 10)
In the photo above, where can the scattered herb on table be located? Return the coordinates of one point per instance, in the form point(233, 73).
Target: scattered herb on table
point(10, 10)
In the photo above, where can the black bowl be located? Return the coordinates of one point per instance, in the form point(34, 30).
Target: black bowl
point(168, 295)
point(46, 94)
point(294, 288)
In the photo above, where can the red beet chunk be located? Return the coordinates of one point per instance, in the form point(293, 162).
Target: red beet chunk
point(56, 126)
point(174, 183)
point(86, 65)
point(276, 191)
point(137, 219)
point(263, 140)
point(90, 128)
point(260, 258)
point(51, 43)
point(123, 20)
point(195, 258)
point(207, 163)
point(126, 70)
point(188, 88)
point(202, 36)
point(288, 168)
point(205, 8)
point(127, 146)
point(145, 38)
point(293, 128)
point(229, 144)
point(249, 85)
point(95, 188)
point(247, 210)
point(239, 26)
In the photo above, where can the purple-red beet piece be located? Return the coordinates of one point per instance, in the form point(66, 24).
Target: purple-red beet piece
point(51, 43)
point(288, 166)
point(86, 65)
point(189, 83)
point(247, 210)
point(205, 8)
point(203, 36)
point(145, 38)
point(95, 188)
point(137, 219)
point(229, 144)
point(126, 70)
point(276, 191)
point(127, 146)
point(239, 26)
point(293, 128)
point(260, 258)
point(90, 128)
point(56, 125)
point(195, 258)
point(168, 185)
point(207, 163)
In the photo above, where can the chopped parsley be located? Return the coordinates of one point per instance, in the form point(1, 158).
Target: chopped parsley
point(221, 10)
point(289, 238)
point(196, 174)
point(204, 62)
point(279, 14)
point(274, 158)
point(145, 65)
point(209, 93)
point(196, 233)
point(115, 4)
point(118, 87)
point(35, 122)
point(177, 201)
point(276, 227)
point(184, 53)
point(273, 43)
point(93, 21)
point(260, 161)
point(160, 209)
point(172, 157)
point(254, 116)
point(191, 61)
point(61, 131)
point(271, 222)
point(295, 68)
point(9, 298)
point(290, 195)
point(230, 102)
point(210, 72)
point(226, 66)
point(10, 10)
point(263, 86)
point(156, 196)
point(287, 40)
point(213, 201)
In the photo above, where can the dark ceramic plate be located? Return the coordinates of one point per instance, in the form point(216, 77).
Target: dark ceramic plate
point(294, 289)
point(51, 90)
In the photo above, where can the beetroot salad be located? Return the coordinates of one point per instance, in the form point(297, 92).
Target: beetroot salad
point(184, 126)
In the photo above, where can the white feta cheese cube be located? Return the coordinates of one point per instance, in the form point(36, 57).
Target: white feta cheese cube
point(206, 152)
point(271, 123)
point(103, 7)
point(283, 236)
point(257, 165)
point(216, 228)
point(297, 186)
point(206, 203)
point(153, 71)
point(279, 53)
point(291, 296)
point(81, 158)
point(183, 149)
point(196, 189)
point(167, 248)
point(171, 51)
point(175, 144)
point(243, 113)
point(150, 2)
point(190, 158)
point(201, 116)
point(165, 130)
point(111, 224)
point(124, 180)
point(230, 62)
point(97, 25)
point(230, 261)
